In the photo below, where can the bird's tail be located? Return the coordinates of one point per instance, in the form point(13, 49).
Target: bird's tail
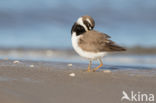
point(117, 48)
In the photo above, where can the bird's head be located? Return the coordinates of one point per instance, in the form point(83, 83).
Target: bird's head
point(83, 24)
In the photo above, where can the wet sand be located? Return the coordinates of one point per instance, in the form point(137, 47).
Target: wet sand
point(49, 82)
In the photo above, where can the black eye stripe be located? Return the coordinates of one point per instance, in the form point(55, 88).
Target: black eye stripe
point(78, 29)
point(87, 24)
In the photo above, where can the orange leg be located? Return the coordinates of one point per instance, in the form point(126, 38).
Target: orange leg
point(101, 64)
point(89, 66)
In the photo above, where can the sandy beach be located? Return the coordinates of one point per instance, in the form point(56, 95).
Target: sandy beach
point(50, 82)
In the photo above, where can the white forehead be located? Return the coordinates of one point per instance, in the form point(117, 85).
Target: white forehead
point(80, 22)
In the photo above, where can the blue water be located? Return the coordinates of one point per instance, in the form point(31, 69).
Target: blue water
point(46, 36)
point(68, 56)
point(47, 23)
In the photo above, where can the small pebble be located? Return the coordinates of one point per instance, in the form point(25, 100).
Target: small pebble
point(72, 74)
point(15, 62)
point(107, 71)
point(70, 65)
point(31, 66)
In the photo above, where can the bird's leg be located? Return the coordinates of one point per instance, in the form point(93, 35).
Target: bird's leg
point(101, 64)
point(89, 66)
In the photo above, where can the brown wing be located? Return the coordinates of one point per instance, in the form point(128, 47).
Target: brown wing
point(98, 42)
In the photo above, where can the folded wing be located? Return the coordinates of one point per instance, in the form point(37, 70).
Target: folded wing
point(98, 42)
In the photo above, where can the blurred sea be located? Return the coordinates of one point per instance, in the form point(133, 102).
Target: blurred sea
point(44, 26)
point(47, 23)
point(69, 56)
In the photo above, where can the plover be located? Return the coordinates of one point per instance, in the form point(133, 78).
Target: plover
point(89, 43)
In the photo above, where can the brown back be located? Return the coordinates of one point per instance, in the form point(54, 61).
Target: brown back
point(94, 41)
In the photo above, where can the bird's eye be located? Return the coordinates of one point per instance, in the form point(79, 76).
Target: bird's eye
point(88, 25)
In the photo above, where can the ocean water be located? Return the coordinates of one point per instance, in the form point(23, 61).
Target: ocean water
point(44, 36)
point(69, 56)
point(48, 23)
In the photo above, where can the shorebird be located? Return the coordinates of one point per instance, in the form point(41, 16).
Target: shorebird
point(90, 43)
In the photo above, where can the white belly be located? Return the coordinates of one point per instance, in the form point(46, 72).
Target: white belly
point(85, 54)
